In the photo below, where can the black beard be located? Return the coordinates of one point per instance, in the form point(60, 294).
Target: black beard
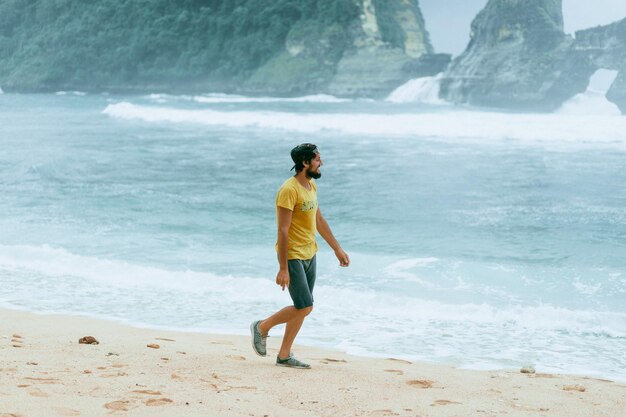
point(314, 175)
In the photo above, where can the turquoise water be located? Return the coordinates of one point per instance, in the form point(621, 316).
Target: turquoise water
point(477, 239)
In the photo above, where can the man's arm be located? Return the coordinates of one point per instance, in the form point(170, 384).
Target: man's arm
point(284, 221)
point(324, 230)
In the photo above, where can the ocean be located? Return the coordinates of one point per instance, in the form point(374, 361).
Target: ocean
point(478, 239)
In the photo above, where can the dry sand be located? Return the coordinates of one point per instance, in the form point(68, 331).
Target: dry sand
point(45, 372)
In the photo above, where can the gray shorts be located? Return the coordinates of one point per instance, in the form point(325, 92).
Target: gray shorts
point(301, 282)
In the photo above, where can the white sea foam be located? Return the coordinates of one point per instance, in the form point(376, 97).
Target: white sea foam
point(593, 100)
point(217, 98)
point(55, 262)
point(419, 90)
point(226, 98)
point(75, 93)
point(401, 270)
point(49, 279)
point(447, 125)
point(1, 92)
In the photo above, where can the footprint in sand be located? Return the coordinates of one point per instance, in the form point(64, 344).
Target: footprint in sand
point(400, 360)
point(578, 388)
point(158, 401)
point(221, 342)
point(327, 360)
point(66, 412)
point(383, 413)
point(17, 341)
point(421, 383)
point(113, 375)
point(165, 339)
point(394, 371)
point(36, 392)
point(43, 380)
point(147, 392)
point(10, 415)
point(236, 357)
point(444, 402)
point(119, 405)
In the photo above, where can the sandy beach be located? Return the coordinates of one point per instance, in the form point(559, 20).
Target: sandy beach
point(44, 371)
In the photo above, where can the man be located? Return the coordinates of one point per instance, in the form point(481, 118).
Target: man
point(298, 217)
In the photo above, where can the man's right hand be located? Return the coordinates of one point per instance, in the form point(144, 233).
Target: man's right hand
point(282, 278)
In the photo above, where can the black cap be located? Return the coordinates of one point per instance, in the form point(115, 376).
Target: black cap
point(304, 152)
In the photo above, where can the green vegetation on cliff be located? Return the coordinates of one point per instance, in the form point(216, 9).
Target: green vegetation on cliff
point(114, 44)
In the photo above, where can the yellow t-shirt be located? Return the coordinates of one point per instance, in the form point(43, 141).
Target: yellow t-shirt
point(303, 203)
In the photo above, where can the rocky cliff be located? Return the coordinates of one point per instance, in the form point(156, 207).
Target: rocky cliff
point(518, 58)
point(390, 46)
point(278, 47)
point(383, 48)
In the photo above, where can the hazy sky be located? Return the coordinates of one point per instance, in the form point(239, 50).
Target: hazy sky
point(448, 21)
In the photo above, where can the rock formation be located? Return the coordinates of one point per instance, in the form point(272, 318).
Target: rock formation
point(605, 47)
point(518, 58)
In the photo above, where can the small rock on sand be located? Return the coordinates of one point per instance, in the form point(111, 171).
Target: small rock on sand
point(153, 346)
point(88, 340)
point(528, 369)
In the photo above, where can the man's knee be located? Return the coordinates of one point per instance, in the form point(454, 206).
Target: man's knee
point(306, 310)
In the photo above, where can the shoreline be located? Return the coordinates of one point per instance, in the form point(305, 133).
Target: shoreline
point(278, 333)
point(45, 372)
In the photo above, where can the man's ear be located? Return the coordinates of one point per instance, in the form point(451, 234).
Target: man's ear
point(306, 163)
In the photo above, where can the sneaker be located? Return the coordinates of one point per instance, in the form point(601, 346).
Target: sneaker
point(258, 340)
point(291, 362)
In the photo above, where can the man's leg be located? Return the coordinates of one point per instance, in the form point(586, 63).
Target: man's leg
point(291, 331)
point(284, 315)
point(293, 316)
point(302, 295)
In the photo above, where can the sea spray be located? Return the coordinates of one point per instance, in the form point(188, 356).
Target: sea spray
point(419, 90)
point(593, 101)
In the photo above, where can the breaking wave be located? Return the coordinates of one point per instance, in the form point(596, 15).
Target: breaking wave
point(230, 98)
point(420, 90)
point(451, 125)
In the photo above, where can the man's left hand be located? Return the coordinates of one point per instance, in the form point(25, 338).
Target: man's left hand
point(344, 259)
